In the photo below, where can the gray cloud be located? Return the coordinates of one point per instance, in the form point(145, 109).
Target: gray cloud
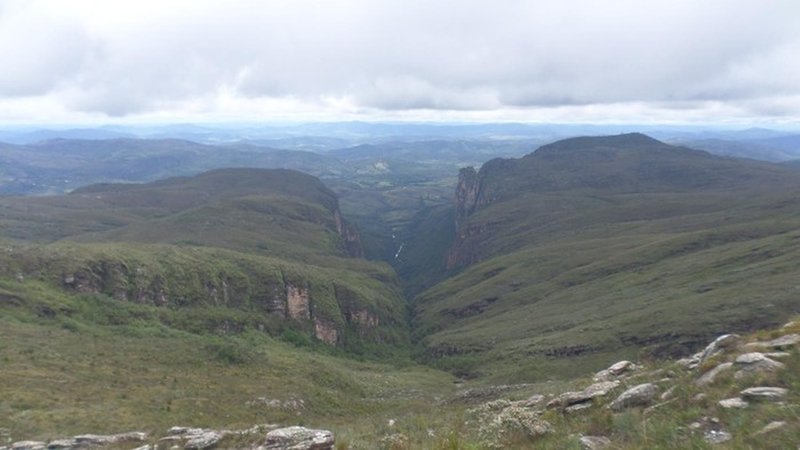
point(204, 57)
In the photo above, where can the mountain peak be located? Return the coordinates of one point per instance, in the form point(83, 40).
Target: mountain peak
point(620, 141)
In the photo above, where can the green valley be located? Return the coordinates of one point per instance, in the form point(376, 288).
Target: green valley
point(238, 297)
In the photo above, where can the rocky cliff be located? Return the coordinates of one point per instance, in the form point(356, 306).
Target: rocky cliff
point(470, 195)
point(279, 294)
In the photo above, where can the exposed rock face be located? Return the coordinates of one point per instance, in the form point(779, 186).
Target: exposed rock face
point(298, 304)
point(470, 194)
point(325, 332)
point(468, 191)
point(364, 319)
point(349, 235)
point(298, 438)
point(640, 395)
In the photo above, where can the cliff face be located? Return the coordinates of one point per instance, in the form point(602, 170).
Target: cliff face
point(471, 194)
point(349, 235)
point(320, 304)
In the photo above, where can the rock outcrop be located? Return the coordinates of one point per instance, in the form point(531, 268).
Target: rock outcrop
point(470, 194)
point(297, 438)
point(640, 395)
point(259, 437)
point(754, 363)
point(764, 393)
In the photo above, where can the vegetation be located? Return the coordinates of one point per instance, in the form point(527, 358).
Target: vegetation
point(590, 250)
point(232, 298)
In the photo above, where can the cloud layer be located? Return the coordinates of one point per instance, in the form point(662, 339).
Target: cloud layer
point(623, 60)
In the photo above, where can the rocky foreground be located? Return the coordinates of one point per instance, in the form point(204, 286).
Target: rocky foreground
point(260, 437)
point(738, 392)
point(743, 374)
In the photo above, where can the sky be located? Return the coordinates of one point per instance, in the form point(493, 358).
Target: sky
point(564, 61)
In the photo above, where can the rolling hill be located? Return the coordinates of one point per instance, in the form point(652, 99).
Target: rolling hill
point(600, 246)
point(272, 242)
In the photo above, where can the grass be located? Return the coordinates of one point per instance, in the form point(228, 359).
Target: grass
point(90, 367)
point(563, 274)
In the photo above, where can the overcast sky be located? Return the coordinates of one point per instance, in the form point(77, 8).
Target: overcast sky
point(690, 61)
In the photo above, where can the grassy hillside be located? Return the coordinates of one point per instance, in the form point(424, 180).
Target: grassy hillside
point(86, 363)
point(268, 247)
point(593, 249)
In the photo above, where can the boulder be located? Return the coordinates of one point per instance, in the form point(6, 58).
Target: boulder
point(102, 440)
point(690, 362)
point(640, 395)
point(59, 444)
point(298, 438)
point(719, 345)
point(783, 342)
point(615, 370)
point(571, 398)
point(595, 442)
point(709, 377)
point(28, 445)
point(772, 426)
point(754, 363)
point(578, 407)
point(203, 440)
point(764, 393)
point(717, 436)
point(669, 393)
point(735, 402)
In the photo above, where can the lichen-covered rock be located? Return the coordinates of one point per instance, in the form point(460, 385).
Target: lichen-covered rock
point(772, 426)
point(615, 370)
point(764, 393)
point(717, 436)
point(59, 444)
point(735, 402)
point(640, 395)
point(28, 445)
point(754, 363)
point(719, 345)
point(783, 342)
point(709, 377)
point(691, 362)
point(206, 439)
point(298, 438)
point(99, 440)
point(571, 398)
point(595, 442)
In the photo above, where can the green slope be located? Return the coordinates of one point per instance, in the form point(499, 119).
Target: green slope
point(267, 244)
point(591, 249)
